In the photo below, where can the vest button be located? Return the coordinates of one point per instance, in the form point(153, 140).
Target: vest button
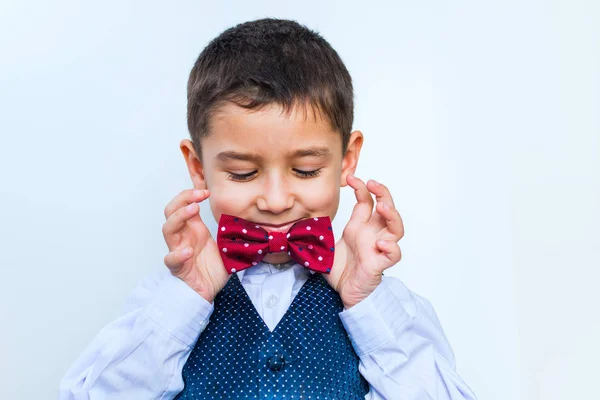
point(276, 363)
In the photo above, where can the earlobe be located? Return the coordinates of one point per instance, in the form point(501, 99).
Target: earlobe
point(194, 165)
point(350, 160)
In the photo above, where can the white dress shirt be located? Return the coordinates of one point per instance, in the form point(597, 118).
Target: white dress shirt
point(396, 334)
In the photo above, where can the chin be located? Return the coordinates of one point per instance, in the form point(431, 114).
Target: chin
point(277, 258)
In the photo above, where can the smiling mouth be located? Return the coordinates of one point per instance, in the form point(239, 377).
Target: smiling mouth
point(284, 227)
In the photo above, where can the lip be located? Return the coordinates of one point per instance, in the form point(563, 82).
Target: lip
point(284, 227)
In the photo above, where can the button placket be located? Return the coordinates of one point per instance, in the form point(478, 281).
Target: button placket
point(275, 295)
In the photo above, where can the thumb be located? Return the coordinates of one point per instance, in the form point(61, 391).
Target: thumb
point(390, 251)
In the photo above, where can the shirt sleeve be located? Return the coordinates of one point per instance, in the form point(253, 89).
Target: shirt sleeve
point(402, 348)
point(141, 354)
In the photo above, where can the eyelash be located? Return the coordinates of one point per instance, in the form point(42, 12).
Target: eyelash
point(302, 175)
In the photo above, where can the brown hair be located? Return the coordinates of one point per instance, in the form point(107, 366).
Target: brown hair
point(270, 61)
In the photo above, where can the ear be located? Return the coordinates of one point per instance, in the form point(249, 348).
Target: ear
point(194, 165)
point(350, 160)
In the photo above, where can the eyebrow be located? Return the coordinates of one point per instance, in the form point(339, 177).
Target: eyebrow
point(234, 155)
point(315, 151)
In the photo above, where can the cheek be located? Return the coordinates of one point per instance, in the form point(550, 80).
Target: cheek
point(321, 200)
point(229, 198)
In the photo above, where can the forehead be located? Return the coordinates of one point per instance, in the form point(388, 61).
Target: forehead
point(269, 132)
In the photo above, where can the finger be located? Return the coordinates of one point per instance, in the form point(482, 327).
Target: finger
point(388, 215)
point(392, 219)
point(363, 209)
point(175, 259)
point(391, 251)
point(184, 198)
point(382, 195)
point(177, 221)
point(381, 192)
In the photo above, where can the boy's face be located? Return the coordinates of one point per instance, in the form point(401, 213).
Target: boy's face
point(272, 168)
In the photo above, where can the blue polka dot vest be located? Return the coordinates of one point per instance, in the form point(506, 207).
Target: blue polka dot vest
point(307, 356)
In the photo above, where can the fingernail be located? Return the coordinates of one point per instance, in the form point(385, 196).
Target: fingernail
point(187, 251)
point(385, 206)
point(190, 207)
point(198, 192)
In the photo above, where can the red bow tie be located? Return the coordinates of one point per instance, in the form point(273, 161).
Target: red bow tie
point(243, 243)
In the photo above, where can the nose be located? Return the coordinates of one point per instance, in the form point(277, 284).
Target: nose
point(276, 197)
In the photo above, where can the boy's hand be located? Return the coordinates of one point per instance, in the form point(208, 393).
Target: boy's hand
point(369, 243)
point(193, 255)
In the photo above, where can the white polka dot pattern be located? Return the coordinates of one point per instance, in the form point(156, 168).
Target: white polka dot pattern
point(309, 242)
point(307, 356)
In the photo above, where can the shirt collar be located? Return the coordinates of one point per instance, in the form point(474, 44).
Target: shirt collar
point(262, 265)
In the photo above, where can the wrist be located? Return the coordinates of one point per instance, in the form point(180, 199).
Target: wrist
point(348, 306)
point(206, 295)
point(360, 293)
point(351, 301)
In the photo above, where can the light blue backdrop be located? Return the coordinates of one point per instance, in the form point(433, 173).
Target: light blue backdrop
point(481, 117)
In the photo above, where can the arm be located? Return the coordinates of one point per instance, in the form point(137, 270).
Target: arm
point(141, 354)
point(402, 347)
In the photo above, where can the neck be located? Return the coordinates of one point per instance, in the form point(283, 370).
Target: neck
point(283, 265)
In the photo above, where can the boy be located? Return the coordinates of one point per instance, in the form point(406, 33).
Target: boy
point(291, 314)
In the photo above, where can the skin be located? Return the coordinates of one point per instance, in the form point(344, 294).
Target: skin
point(267, 183)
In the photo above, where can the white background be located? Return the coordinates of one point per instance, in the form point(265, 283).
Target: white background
point(481, 117)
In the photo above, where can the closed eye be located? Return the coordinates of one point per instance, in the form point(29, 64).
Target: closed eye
point(241, 177)
point(300, 173)
point(308, 174)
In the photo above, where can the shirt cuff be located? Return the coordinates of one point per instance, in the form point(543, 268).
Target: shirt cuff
point(376, 320)
point(181, 311)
